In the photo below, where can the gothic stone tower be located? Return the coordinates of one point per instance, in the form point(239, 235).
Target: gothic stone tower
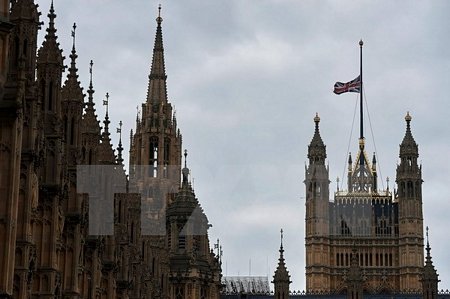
point(155, 170)
point(317, 214)
point(409, 197)
point(50, 246)
point(379, 231)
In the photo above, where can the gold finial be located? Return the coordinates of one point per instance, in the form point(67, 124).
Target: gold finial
point(317, 118)
point(408, 117)
point(159, 19)
point(361, 43)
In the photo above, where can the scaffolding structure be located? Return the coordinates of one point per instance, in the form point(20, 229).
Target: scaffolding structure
point(246, 284)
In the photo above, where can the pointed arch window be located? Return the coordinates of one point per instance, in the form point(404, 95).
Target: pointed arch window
point(166, 156)
point(153, 265)
point(181, 237)
point(179, 292)
point(132, 233)
point(203, 292)
point(410, 189)
point(153, 158)
point(90, 157)
point(72, 131)
point(25, 50)
point(17, 51)
point(66, 128)
point(50, 96)
point(120, 211)
point(44, 94)
point(181, 241)
point(169, 237)
point(25, 47)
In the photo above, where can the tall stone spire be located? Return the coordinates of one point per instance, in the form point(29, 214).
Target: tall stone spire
point(429, 275)
point(281, 279)
point(157, 88)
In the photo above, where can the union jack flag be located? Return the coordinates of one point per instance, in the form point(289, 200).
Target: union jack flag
point(352, 86)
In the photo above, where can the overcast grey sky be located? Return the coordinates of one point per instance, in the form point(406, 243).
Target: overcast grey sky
point(247, 77)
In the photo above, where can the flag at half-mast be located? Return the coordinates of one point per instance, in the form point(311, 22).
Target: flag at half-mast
point(352, 86)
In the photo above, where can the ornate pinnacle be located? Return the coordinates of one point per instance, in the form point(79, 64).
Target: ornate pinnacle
point(51, 30)
point(91, 89)
point(317, 120)
point(73, 55)
point(281, 232)
point(106, 121)
point(73, 35)
point(408, 119)
point(106, 103)
point(120, 148)
point(159, 19)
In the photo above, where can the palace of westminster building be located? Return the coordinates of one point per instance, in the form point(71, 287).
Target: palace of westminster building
point(364, 242)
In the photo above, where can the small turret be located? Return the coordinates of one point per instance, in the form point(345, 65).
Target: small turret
point(430, 278)
point(317, 149)
point(281, 278)
point(409, 150)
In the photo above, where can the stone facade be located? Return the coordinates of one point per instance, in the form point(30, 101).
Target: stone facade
point(158, 246)
point(364, 227)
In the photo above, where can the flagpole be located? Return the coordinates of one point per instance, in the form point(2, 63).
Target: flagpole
point(361, 92)
point(361, 135)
